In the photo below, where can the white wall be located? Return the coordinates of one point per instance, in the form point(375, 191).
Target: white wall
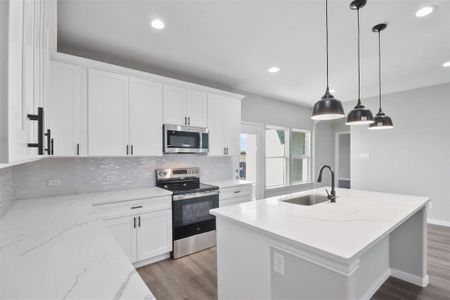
point(412, 158)
point(4, 6)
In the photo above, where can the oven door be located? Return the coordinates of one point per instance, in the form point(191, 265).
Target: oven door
point(184, 139)
point(190, 213)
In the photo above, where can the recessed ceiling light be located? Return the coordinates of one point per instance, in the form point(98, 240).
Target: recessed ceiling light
point(158, 24)
point(446, 64)
point(273, 69)
point(424, 11)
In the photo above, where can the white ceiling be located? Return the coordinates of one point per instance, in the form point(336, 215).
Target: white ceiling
point(232, 43)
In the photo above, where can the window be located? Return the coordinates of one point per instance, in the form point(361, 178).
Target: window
point(301, 158)
point(288, 156)
point(277, 156)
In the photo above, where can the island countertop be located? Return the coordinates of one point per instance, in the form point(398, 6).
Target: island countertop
point(341, 230)
point(59, 248)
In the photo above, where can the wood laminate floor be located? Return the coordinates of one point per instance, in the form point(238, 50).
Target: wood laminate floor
point(194, 277)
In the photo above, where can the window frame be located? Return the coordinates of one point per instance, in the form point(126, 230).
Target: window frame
point(286, 157)
point(307, 155)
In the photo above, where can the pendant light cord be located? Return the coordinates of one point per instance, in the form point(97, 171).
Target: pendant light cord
point(359, 61)
point(326, 31)
point(379, 67)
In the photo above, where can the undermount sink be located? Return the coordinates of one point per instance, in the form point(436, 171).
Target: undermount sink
point(307, 200)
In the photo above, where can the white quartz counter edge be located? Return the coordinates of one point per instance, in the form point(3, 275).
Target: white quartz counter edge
point(58, 248)
point(223, 184)
point(229, 213)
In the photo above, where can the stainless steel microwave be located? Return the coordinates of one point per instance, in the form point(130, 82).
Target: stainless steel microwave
point(185, 139)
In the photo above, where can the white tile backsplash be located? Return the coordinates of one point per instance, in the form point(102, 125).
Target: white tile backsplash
point(84, 175)
point(7, 189)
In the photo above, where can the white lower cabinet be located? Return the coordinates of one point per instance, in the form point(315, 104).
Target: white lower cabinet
point(154, 234)
point(124, 232)
point(234, 195)
point(142, 228)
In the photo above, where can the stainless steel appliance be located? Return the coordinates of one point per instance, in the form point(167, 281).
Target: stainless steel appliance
point(185, 139)
point(194, 228)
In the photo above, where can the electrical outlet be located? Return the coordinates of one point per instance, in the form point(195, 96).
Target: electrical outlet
point(278, 263)
point(54, 182)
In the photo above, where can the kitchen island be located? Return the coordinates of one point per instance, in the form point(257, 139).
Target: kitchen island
point(272, 249)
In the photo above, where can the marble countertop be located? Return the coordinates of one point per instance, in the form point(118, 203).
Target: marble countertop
point(341, 230)
point(58, 248)
point(229, 183)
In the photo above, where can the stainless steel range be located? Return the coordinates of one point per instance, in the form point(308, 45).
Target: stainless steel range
point(194, 228)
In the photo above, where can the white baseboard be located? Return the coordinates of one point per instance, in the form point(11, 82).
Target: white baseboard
point(439, 222)
point(151, 260)
point(416, 280)
point(377, 284)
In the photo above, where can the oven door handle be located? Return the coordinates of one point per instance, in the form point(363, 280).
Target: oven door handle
point(194, 195)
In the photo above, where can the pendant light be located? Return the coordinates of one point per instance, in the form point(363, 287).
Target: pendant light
point(359, 115)
point(381, 120)
point(328, 108)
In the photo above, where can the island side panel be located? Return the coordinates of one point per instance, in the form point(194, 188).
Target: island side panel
point(243, 262)
point(408, 249)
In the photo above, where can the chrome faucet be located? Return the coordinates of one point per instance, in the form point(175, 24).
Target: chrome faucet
point(332, 195)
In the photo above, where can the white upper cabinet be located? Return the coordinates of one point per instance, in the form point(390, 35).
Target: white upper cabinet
point(64, 109)
point(107, 114)
point(184, 107)
point(224, 121)
point(231, 125)
point(174, 105)
point(216, 147)
point(145, 115)
point(196, 108)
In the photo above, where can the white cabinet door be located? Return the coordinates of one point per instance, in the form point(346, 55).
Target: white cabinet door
point(174, 105)
point(154, 234)
point(63, 108)
point(146, 109)
point(196, 108)
point(108, 113)
point(216, 147)
point(231, 125)
point(124, 232)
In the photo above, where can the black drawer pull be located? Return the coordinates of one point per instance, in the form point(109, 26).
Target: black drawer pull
point(237, 192)
point(135, 207)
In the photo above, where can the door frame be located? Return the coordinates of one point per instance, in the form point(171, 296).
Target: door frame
point(259, 130)
point(336, 151)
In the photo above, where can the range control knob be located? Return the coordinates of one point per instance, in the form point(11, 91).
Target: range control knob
point(165, 173)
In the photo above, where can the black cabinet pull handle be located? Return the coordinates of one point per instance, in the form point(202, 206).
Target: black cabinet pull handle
point(127, 149)
point(237, 192)
point(39, 117)
point(136, 207)
point(189, 121)
point(185, 120)
point(139, 218)
point(134, 222)
point(53, 146)
point(48, 134)
point(132, 149)
point(78, 149)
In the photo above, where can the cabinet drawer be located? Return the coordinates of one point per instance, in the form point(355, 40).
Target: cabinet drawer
point(235, 192)
point(237, 200)
point(131, 207)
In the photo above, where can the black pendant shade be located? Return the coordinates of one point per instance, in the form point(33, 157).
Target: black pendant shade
point(381, 120)
point(328, 108)
point(359, 115)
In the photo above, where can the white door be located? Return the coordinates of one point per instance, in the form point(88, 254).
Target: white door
point(216, 147)
point(146, 109)
point(63, 108)
point(108, 113)
point(154, 234)
point(124, 232)
point(196, 108)
point(174, 105)
point(251, 157)
point(231, 125)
